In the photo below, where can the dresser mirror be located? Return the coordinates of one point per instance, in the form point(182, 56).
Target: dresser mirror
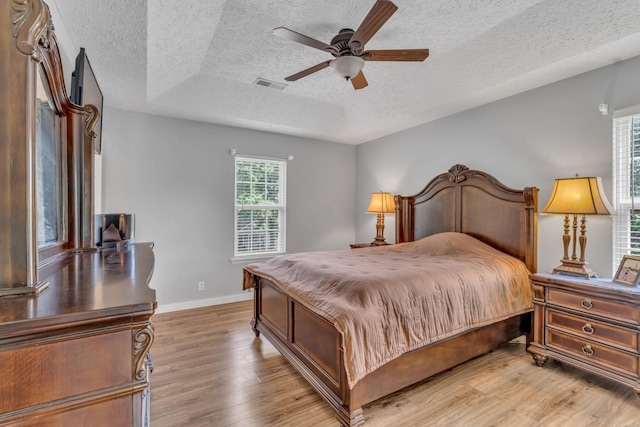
point(49, 173)
point(46, 144)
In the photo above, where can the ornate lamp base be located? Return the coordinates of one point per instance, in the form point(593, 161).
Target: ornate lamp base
point(574, 268)
point(379, 240)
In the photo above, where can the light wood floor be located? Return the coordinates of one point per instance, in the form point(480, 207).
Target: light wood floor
point(210, 370)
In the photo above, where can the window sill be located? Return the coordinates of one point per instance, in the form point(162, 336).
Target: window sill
point(245, 259)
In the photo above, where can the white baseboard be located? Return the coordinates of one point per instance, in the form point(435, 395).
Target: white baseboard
point(186, 305)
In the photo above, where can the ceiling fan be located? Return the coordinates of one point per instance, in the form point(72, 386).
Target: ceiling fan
point(348, 47)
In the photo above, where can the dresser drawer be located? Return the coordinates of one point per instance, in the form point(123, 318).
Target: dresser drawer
point(617, 310)
point(590, 351)
point(593, 329)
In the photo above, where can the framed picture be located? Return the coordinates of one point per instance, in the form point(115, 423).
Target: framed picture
point(627, 273)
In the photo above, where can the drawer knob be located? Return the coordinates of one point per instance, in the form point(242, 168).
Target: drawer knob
point(587, 350)
point(586, 303)
point(588, 329)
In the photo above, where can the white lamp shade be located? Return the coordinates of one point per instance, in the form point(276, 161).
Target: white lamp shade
point(347, 66)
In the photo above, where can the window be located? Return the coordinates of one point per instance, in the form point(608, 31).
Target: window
point(260, 211)
point(626, 178)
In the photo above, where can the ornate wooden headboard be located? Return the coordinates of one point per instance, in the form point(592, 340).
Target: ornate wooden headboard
point(475, 203)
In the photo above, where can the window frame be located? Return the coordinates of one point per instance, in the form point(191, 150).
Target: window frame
point(280, 206)
point(626, 151)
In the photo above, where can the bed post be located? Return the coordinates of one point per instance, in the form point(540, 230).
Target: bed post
point(405, 209)
point(256, 305)
point(350, 413)
point(531, 228)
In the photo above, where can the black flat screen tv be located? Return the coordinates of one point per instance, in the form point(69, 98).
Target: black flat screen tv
point(85, 90)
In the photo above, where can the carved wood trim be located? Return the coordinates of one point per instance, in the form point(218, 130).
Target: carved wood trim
point(31, 26)
point(457, 173)
point(92, 115)
point(142, 340)
point(35, 37)
point(91, 118)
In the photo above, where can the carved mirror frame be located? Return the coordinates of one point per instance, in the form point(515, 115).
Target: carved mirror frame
point(31, 49)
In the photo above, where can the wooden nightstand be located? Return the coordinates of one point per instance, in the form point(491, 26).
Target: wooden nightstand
point(591, 324)
point(364, 245)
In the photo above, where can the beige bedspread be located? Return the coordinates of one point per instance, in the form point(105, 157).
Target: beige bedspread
point(388, 300)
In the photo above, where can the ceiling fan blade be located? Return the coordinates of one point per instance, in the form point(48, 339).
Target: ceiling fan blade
point(395, 55)
point(377, 16)
point(294, 36)
point(359, 82)
point(310, 70)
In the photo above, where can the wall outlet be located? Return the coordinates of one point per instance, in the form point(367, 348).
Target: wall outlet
point(201, 286)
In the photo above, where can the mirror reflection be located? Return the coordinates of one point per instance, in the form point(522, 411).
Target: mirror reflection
point(48, 171)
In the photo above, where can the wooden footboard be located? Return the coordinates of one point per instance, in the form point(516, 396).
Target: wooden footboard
point(314, 348)
point(310, 343)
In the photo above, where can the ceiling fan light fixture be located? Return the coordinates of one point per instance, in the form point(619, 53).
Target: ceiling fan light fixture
point(347, 66)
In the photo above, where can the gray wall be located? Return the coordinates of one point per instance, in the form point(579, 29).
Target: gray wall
point(177, 177)
point(525, 140)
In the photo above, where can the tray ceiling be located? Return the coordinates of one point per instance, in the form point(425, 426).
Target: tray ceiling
point(199, 59)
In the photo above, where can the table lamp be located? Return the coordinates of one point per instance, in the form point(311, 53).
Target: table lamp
point(577, 196)
point(381, 203)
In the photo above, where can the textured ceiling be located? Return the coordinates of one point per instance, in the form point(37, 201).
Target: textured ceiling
point(199, 59)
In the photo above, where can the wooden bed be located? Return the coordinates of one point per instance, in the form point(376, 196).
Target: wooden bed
point(462, 200)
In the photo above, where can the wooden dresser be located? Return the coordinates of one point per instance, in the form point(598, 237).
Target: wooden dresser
point(74, 322)
point(590, 324)
point(76, 354)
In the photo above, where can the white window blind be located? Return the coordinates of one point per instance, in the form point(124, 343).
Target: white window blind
point(260, 207)
point(626, 179)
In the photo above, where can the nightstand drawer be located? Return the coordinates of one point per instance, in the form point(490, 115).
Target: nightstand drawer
point(593, 329)
point(594, 305)
point(592, 324)
point(593, 352)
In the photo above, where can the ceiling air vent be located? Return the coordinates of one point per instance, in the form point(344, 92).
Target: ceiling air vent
point(268, 83)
